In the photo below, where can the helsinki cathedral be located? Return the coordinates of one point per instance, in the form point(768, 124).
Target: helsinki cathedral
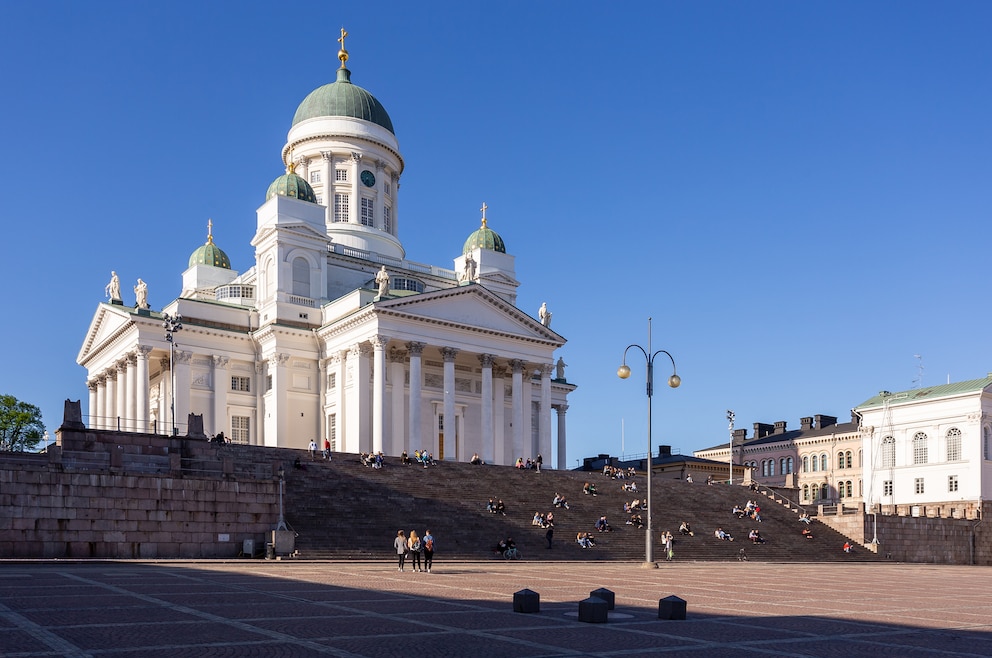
point(332, 333)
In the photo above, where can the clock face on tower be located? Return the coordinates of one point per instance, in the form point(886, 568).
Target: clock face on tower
point(368, 179)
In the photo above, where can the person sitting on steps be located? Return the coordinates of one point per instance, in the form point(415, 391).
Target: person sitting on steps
point(684, 529)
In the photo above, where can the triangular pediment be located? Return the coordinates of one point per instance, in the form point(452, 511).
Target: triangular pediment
point(108, 321)
point(472, 307)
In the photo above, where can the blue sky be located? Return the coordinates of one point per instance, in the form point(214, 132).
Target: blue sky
point(797, 192)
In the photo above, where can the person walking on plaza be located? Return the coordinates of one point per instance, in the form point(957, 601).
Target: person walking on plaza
point(428, 544)
point(416, 549)
point(539, 461)
point(313, 450)
point(400, 545)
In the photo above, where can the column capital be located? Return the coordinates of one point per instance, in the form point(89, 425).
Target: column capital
point(397, 355)
point(183, 357)
point(415, 348)
point(92, 384)
point(142, 351)
point(517, 365)
point(498, 371)
point(278, 359)
point(327, 155)
point(110, 374)
point(164, 364)
point(380, 165)
point(561, 409)
point(220, 362)
point(486, 360)
point(131, 358)
point(122, 365)
point(356, 156)
point(546, 370)
point(379, 341)
point(449, 354)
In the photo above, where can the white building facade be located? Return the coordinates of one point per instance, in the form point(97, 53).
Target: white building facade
point(332, 333)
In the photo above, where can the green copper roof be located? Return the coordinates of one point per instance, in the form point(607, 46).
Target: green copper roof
point(210, 254)
point(484, 238)
point(928, 393)
point(341, 98)
point(292, 185)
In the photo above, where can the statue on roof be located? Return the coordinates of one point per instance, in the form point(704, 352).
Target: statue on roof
point(141, 295)
point(544, 315)
point(113, 289)
point(468, 271)
point(560, 369)
point(382, 278)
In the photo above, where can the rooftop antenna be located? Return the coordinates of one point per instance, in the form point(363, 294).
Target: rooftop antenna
point(918, 382)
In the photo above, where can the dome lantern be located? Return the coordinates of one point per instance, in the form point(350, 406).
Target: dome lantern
point(484, 237)
point(209, 253)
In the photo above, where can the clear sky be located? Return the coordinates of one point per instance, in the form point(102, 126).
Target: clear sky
point(798, 193)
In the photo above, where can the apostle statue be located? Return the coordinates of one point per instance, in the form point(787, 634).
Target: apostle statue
point(141, 294)
point(382, 278)
point(560, 369)
point(544, 315)
point(113, 289)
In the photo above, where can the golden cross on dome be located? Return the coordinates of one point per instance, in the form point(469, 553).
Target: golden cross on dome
point(343, 54)
point(210, 231)
point(484, 209)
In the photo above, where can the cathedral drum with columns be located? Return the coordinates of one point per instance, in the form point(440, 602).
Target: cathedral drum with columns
point(332, 333)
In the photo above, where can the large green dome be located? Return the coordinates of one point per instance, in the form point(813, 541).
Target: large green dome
point(341, 98)
point(484, 238)
point(210, 254)
point(292, 185)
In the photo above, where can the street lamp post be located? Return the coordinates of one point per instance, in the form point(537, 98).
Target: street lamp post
point(172, 324)
point(281, 523)
point(623, 373)
point(730, 419)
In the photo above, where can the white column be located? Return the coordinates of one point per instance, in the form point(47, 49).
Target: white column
point(380, 196)
point(256, 435)
point(337, 366)
point(109, 400)
point(562, 408)
point(395, 193)
point(488, 446)
point(378, 390)
point(501, 445)
point(416, 383)
point(358, 438)
point(94, 389)
point(182, 384)
point(165, 398)
point(517, 402)
point(328, 169)
point(120, 423)
point(354, 209)
point(450, 425)
point(141, 388)
point(544, 421)
point(132, 393)
point(397, 373)
point(222, 383)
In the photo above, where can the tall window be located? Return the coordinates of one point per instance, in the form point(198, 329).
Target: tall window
point(850, 488)
point(240, 429)
point(815, 463)
point(368, 212)
point(341, 175)
point(953, 444)
point(918, 485)
point(824, 491)
point(332, 431)
point(301, 277)
point(805, 463)
point(919, 448)
point(985, 442)
point(823, 462)
point(241, 384)
point(315, 176)
point(887, 488)
point(888, 452)
point(341, 207)
point(332, 380)
point(849, 457)
point(387, 219)
point(805, 492)
point(952, 483)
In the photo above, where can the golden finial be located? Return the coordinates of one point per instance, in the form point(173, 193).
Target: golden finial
point(210, 231)
point(291, 167)
point(483, 209)
point(343, 54)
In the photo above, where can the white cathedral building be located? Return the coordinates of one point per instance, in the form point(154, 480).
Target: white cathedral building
point(332, 333)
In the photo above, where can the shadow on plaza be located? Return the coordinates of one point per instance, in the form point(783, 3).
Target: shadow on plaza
point(156, 608)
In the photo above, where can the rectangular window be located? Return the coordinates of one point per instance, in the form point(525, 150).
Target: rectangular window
point(341, 207)
point(368, 212)
point(952, 482)
point(918, 485)
point(332, 431)
point(387, 219)
point(320, 199)
point(242, 384)
point(341, 175)
point(887, 488)
point(332, 380)
point(387, 188)
point(315, 176)
point(268, 382)
point(240, 429)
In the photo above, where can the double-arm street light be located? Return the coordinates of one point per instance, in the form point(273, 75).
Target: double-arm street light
point(730, 419)
point(623, 373)
point(172, 324)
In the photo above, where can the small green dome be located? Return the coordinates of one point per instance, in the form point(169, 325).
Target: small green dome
point(292, 185)
point(210, 254)
point(341, 98)
point(484, 238)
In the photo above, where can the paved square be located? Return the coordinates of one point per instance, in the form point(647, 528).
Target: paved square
point(290, 608)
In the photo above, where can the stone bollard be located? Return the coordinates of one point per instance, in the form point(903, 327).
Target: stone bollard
point(606, 595)
point(526, 601)
point(594, 610)
point(671, 607)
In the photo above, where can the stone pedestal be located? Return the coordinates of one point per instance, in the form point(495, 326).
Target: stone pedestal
point(671, 607)
point(526, 601)
point(606, 595)
point(594, 610)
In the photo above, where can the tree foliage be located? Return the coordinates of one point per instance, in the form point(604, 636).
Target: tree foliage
point(21, 428)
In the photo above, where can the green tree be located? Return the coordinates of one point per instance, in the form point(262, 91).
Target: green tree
point(21, 428)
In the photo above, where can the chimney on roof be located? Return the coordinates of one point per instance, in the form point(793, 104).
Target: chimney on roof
point(740, 435)
point(822, 420)
point(806, 423)
point(762, 430)
point(779, 427)
point(664, 451)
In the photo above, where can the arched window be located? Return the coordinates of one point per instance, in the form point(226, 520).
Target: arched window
point(788, 462)
point(771, 467)
point(850, 459)
point(805, 492)
point(850, 488)
point(301, 277)
point(805, 463)
point(824, 462)
point(840, 459)
point(840, 489)
point(953, 444)
point(824, 491)
point(919, 448)
point(888, 452)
